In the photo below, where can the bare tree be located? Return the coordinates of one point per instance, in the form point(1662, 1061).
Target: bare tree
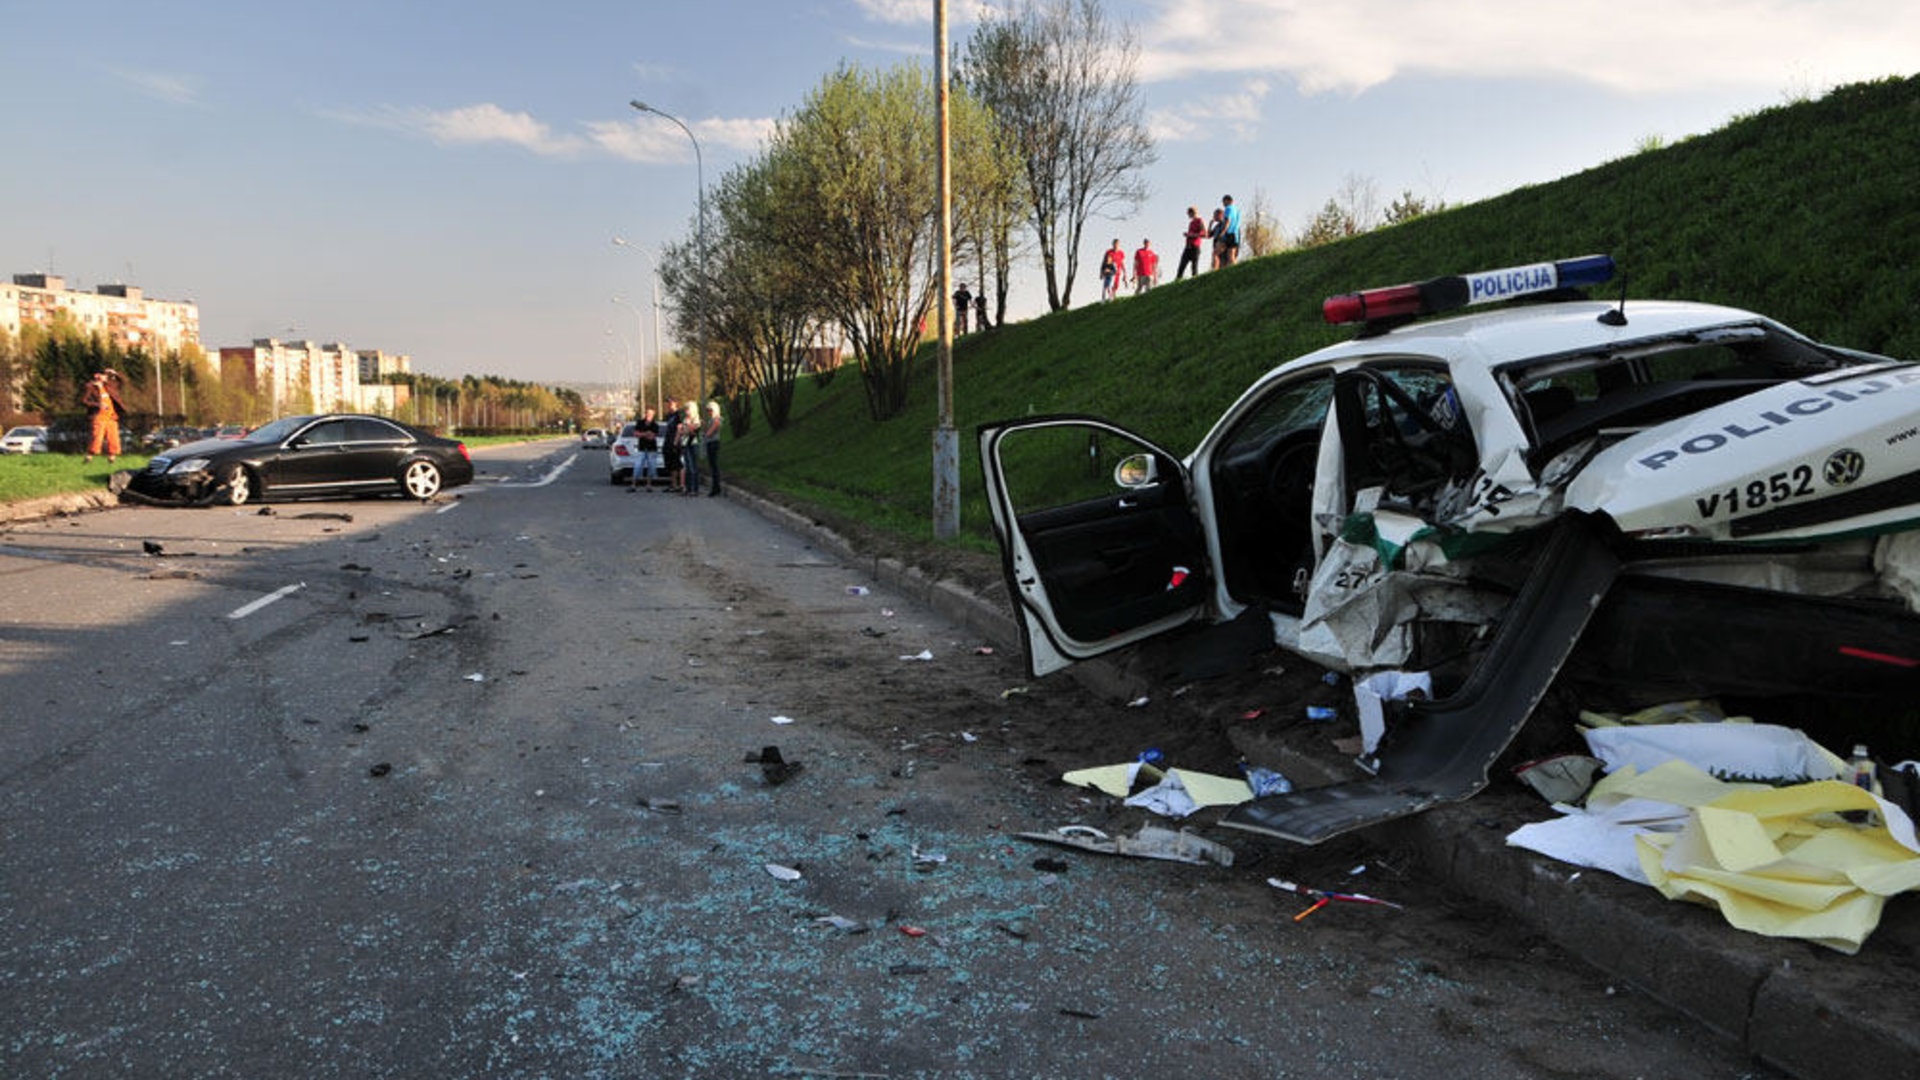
point(1260, 229)
point(1061, 82)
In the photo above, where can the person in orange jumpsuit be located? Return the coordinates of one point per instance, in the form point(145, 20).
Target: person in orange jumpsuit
point(102, 399)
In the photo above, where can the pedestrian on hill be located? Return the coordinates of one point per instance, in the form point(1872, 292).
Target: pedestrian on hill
point(710, 437)
point(1230, 228)
point(104, 408)
point(1146, 267)
point(962, 303)
point(1113, 271)
point(980, 310)
point(1216, 229)
point(1190, 254)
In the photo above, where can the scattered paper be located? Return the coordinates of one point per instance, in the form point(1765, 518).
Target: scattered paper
point(923, 654)
point(476, 677)
point(1183, 791)
point(782, 719)
point(784, 873)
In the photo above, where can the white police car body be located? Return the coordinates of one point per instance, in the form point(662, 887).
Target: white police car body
point(1391, 495)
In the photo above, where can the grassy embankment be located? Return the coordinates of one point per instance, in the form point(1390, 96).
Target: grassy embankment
point(1806, 213)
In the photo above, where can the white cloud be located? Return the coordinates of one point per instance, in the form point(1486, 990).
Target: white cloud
point(489, 123)
point(1630, 46)
point(648, 138)
point(1237, 115)
point(173, 89)
point(898, 12)
point(905, 48)
point(634, 138)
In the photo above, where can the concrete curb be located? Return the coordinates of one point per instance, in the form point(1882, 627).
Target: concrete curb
point(72, 502)
point(1795, 1006)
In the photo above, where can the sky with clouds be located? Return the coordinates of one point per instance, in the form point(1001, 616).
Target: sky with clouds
point(446, 180)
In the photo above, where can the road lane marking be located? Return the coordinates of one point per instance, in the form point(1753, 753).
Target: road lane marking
point(565, 464)
point(446, 508)
point(247, 609)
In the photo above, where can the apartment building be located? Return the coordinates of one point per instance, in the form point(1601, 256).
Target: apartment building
point(121, 314)
point(328, 375)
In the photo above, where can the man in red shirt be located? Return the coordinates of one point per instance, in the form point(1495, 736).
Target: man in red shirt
point(1190, 255)
point(1113, 271)
point(1146, 267)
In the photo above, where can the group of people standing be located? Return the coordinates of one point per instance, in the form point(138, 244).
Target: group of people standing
point(1223, 230)
point(681, 437)
point(963, 301)
point(1113, 269)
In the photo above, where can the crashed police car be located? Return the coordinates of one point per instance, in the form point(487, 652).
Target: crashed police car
point(1701, 499)
point(303, 456)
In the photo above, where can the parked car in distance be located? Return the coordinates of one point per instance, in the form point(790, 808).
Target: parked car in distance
point(25, 439)
point(169, 437)
point(593, 438)
point(302, 456)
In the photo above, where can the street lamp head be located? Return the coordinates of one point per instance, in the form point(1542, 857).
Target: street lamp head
point(642, 106)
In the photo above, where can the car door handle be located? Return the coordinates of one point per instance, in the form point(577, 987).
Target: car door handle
point(1127, 504)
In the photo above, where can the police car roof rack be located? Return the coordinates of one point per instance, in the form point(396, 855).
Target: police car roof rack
point(1380, 310)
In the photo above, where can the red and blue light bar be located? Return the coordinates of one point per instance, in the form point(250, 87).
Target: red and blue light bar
point(1460, 290)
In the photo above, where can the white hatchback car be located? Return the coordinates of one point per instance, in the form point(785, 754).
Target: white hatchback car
point(26, 439)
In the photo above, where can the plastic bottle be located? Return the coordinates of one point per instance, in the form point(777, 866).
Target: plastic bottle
point(1321, 714)
point(1860, 770)
point(1861, 773)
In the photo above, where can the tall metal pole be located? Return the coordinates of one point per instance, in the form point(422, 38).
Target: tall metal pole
point(700, 178)
point(946, 441)
point(640, 349)
point(659, 358)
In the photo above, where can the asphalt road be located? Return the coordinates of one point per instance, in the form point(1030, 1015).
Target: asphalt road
point(459, 790)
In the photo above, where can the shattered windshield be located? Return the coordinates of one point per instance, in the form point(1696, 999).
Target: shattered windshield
point(1638, 384)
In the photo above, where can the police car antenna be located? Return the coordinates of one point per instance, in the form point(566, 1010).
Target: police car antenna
point(1617, 316)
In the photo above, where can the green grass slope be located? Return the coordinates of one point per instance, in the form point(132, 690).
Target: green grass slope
point(1807, 213)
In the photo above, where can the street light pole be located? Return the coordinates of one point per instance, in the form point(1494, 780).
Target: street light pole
point(700, 178)
point(640, 361)
point(946, 440)
point(659, 358)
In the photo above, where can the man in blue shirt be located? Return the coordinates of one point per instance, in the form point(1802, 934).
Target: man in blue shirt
point(1230, 234)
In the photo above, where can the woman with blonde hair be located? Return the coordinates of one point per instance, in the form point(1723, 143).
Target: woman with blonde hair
point(690, 447)
point(710, 434)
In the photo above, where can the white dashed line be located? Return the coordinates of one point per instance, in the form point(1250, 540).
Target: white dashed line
point(247, 609)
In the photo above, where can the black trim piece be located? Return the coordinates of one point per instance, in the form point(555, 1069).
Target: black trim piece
point(1884, 495)
point(1442, 752)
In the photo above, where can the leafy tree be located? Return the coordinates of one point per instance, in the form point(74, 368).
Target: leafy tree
point(1061, 83)
point(1409, 206)
point(855, 188)
point(755, 302)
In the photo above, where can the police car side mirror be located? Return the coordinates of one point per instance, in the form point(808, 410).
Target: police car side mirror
point(1136, 471)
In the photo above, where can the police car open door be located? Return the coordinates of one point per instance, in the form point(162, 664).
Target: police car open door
point(1097, 536)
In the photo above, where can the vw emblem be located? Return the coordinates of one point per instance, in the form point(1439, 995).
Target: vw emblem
point(1843, 467)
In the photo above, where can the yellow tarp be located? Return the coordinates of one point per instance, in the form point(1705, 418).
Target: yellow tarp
point(1779, 861)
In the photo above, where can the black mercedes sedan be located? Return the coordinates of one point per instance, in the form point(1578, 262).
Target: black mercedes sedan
point(299, 456)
